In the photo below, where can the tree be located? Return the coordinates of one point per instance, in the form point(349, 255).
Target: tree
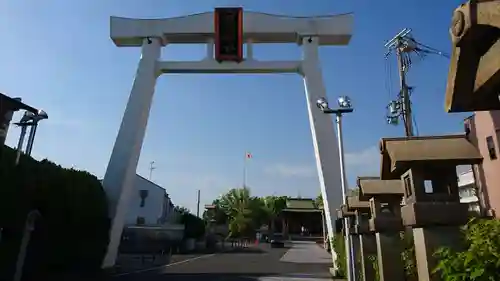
point(216, 215)
point(273, 206)
point(242, 209)
point(194, 227)
point(319, 201)
point(72, 233)
point(181, 210)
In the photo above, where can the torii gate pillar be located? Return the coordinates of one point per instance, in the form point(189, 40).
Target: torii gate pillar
point(152, 35)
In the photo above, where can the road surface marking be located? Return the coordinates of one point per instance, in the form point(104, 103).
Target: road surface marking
point(162, 266)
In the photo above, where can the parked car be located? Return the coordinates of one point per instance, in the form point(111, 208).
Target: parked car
point(277, 244)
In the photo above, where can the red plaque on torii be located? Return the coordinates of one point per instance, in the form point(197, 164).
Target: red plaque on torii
point(228, 24)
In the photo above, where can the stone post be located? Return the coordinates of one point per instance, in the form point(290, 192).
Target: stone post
point(363, 238)
point(434, 217)
point(426, 167)
point(345, 213)
point(385, 221)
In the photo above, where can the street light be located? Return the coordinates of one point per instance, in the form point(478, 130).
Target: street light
point(344, 106)
point(24, 123)
point(40, 115)
point(29, 227)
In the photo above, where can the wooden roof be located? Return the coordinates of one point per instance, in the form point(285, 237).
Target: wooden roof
point(343, 212)
point(373, 186)
point(354, 203)
point(14, 104)
point(399, 153)
point(300, 204)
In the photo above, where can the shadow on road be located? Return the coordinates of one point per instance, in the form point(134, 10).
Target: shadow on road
point(211, 276)
point(250, 250)
point(230, 276)
point(244, 251)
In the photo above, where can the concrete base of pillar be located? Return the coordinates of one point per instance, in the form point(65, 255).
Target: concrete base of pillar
point(333, 272)
point(389, 249)
point(427, 242)
point(368, 248)
point(356, 252)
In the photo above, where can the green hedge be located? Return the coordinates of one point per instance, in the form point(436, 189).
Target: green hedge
point(480, 259)
point(338, 244)
point(72, 234)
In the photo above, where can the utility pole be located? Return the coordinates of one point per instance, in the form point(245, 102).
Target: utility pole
point(405, 96)
point(401, 107)
point(198, 204)
point(406, 48)
point(151, 169)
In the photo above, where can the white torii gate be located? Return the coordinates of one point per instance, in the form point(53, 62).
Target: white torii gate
point(153, 34)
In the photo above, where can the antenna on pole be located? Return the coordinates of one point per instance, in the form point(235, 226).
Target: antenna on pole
point(151, 169)
point(406, 48)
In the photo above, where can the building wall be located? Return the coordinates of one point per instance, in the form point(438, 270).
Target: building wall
point(481, 127)
point(155, 208)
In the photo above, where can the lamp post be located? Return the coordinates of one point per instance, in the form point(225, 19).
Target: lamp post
point(24, 123)
point(40, 115)
point(29, 227)
point(344, 106)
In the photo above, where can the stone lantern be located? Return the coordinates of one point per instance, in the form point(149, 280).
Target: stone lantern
point(362, 238)
point(427, 168)
point(474, 73)
point(385, 221)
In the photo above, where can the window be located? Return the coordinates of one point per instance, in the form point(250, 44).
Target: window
point(466, 192)
point(408, 184)
point(471, 191)
point(490, 144)
point(428, 186)
point(140, 221)
point(467, 128)
point(474, 207)
point(385, 209)
point(143, 194)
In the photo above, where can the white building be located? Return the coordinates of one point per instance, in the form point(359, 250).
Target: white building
point(467, 190)
point(150, 205)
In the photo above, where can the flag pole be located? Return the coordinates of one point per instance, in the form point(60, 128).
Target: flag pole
point(245, 169)
point(248, 155)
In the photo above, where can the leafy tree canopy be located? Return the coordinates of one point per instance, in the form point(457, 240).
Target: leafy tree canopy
point(244, 212)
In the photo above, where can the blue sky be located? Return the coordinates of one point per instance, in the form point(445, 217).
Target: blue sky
point(57, 55)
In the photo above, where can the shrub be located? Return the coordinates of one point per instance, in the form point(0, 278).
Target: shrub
point(480, 259)
point(72, 233)
point(194, 227)
point(408, 254)
point(374, 261)
point(338, 244)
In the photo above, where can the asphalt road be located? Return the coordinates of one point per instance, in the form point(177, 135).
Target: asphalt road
point(256, 263)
